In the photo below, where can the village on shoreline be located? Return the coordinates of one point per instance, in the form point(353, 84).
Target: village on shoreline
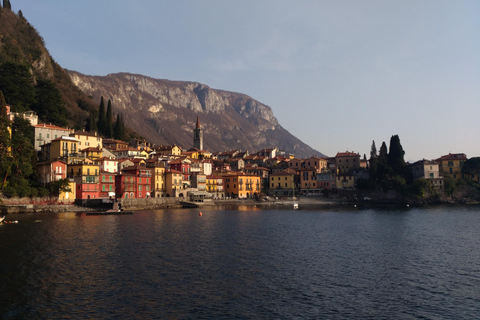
point(98, 172)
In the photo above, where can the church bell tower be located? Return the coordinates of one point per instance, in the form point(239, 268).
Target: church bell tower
point(198, 136)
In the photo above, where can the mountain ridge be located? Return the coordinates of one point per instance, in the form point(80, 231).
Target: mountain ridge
point(165, 111)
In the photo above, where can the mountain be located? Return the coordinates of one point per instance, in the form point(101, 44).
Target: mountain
point(165, 112)
point(21, 44)
point(162, 111)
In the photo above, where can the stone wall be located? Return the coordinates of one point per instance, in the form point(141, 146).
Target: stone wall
point(150, 203)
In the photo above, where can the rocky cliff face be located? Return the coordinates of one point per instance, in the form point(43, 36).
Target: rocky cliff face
point(165, 112)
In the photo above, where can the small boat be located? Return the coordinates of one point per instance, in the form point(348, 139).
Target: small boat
point(295, 206)
point(2, 218)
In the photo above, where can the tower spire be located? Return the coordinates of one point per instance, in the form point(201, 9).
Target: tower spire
point(198, 123)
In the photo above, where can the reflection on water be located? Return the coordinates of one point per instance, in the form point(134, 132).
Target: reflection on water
point(245, 263)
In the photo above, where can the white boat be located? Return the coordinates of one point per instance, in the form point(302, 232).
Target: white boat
point(2, 218)
point(295, 206)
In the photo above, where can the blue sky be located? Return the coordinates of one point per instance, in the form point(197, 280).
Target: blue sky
point(337, 74)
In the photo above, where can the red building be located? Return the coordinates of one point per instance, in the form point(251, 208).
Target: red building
point(107, 184)
point(182, 165)
point(133, 182)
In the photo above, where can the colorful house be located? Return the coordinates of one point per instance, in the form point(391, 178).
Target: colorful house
point(142, 182)
point(283, 183)
point(216, 186)
point(86, 177)
point(451, 164)
point(241, 185)
point(107, 185)
point(347, 162)
point(308, 182)
point(87, 139)
point(63, 148)
point(45, 133)
point(174, 183)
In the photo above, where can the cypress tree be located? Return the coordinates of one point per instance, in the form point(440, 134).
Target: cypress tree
point(119, 130)
point(91, 125)
point(102, 120)
point(373, 161)
point(395, 155)
point(109, 126)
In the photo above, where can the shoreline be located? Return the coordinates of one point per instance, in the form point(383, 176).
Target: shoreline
point(140, 205)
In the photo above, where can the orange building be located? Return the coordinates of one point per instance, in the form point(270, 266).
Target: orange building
point(241, 185)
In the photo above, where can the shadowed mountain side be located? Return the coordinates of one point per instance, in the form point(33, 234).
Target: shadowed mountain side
point(165, 112)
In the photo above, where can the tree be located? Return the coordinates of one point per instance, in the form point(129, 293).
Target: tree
point(109, 125)
point(16, 82)
point(119, 129)
point(91, 125)
point(59, 186)
point(396, 154)
point(49, 104)
point(102, 120)
point(7, 4)
point(5, 142)
point(472, 166)
point(373, 161)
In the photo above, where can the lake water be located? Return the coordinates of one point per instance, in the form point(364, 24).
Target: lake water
point(243, 263)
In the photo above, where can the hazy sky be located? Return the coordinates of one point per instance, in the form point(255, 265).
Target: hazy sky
point(337, 74)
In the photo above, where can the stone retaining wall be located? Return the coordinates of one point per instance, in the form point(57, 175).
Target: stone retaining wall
point(150, 203)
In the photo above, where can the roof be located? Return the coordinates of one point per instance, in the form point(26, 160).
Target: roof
point(347, 154)
point(453, 156)
point(85, 133)
point(286, 172)
point(50, 126)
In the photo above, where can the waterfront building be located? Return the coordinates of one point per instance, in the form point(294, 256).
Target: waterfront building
point(283, 183)
point(216, 186)
point(308, 182)
point(174, 183)
point(241, 185)
point(429, 170)
point(451, 164)
point(141, 182)
point(107, 184)
point(86, 177)
point(158, 178)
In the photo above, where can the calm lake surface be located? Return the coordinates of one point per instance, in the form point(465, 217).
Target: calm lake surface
point(243, 263)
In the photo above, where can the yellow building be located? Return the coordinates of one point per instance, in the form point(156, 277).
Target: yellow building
point(65, 148)
point(345, 181)
point(282, 183)
point(174, 183)
point(70, 195)
point(451, 164)
point(172, 150)
point(92, 153)
point(347, 162)
point(87, 139)
point(216, 186)
point(241, 185)
point(158, 178)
